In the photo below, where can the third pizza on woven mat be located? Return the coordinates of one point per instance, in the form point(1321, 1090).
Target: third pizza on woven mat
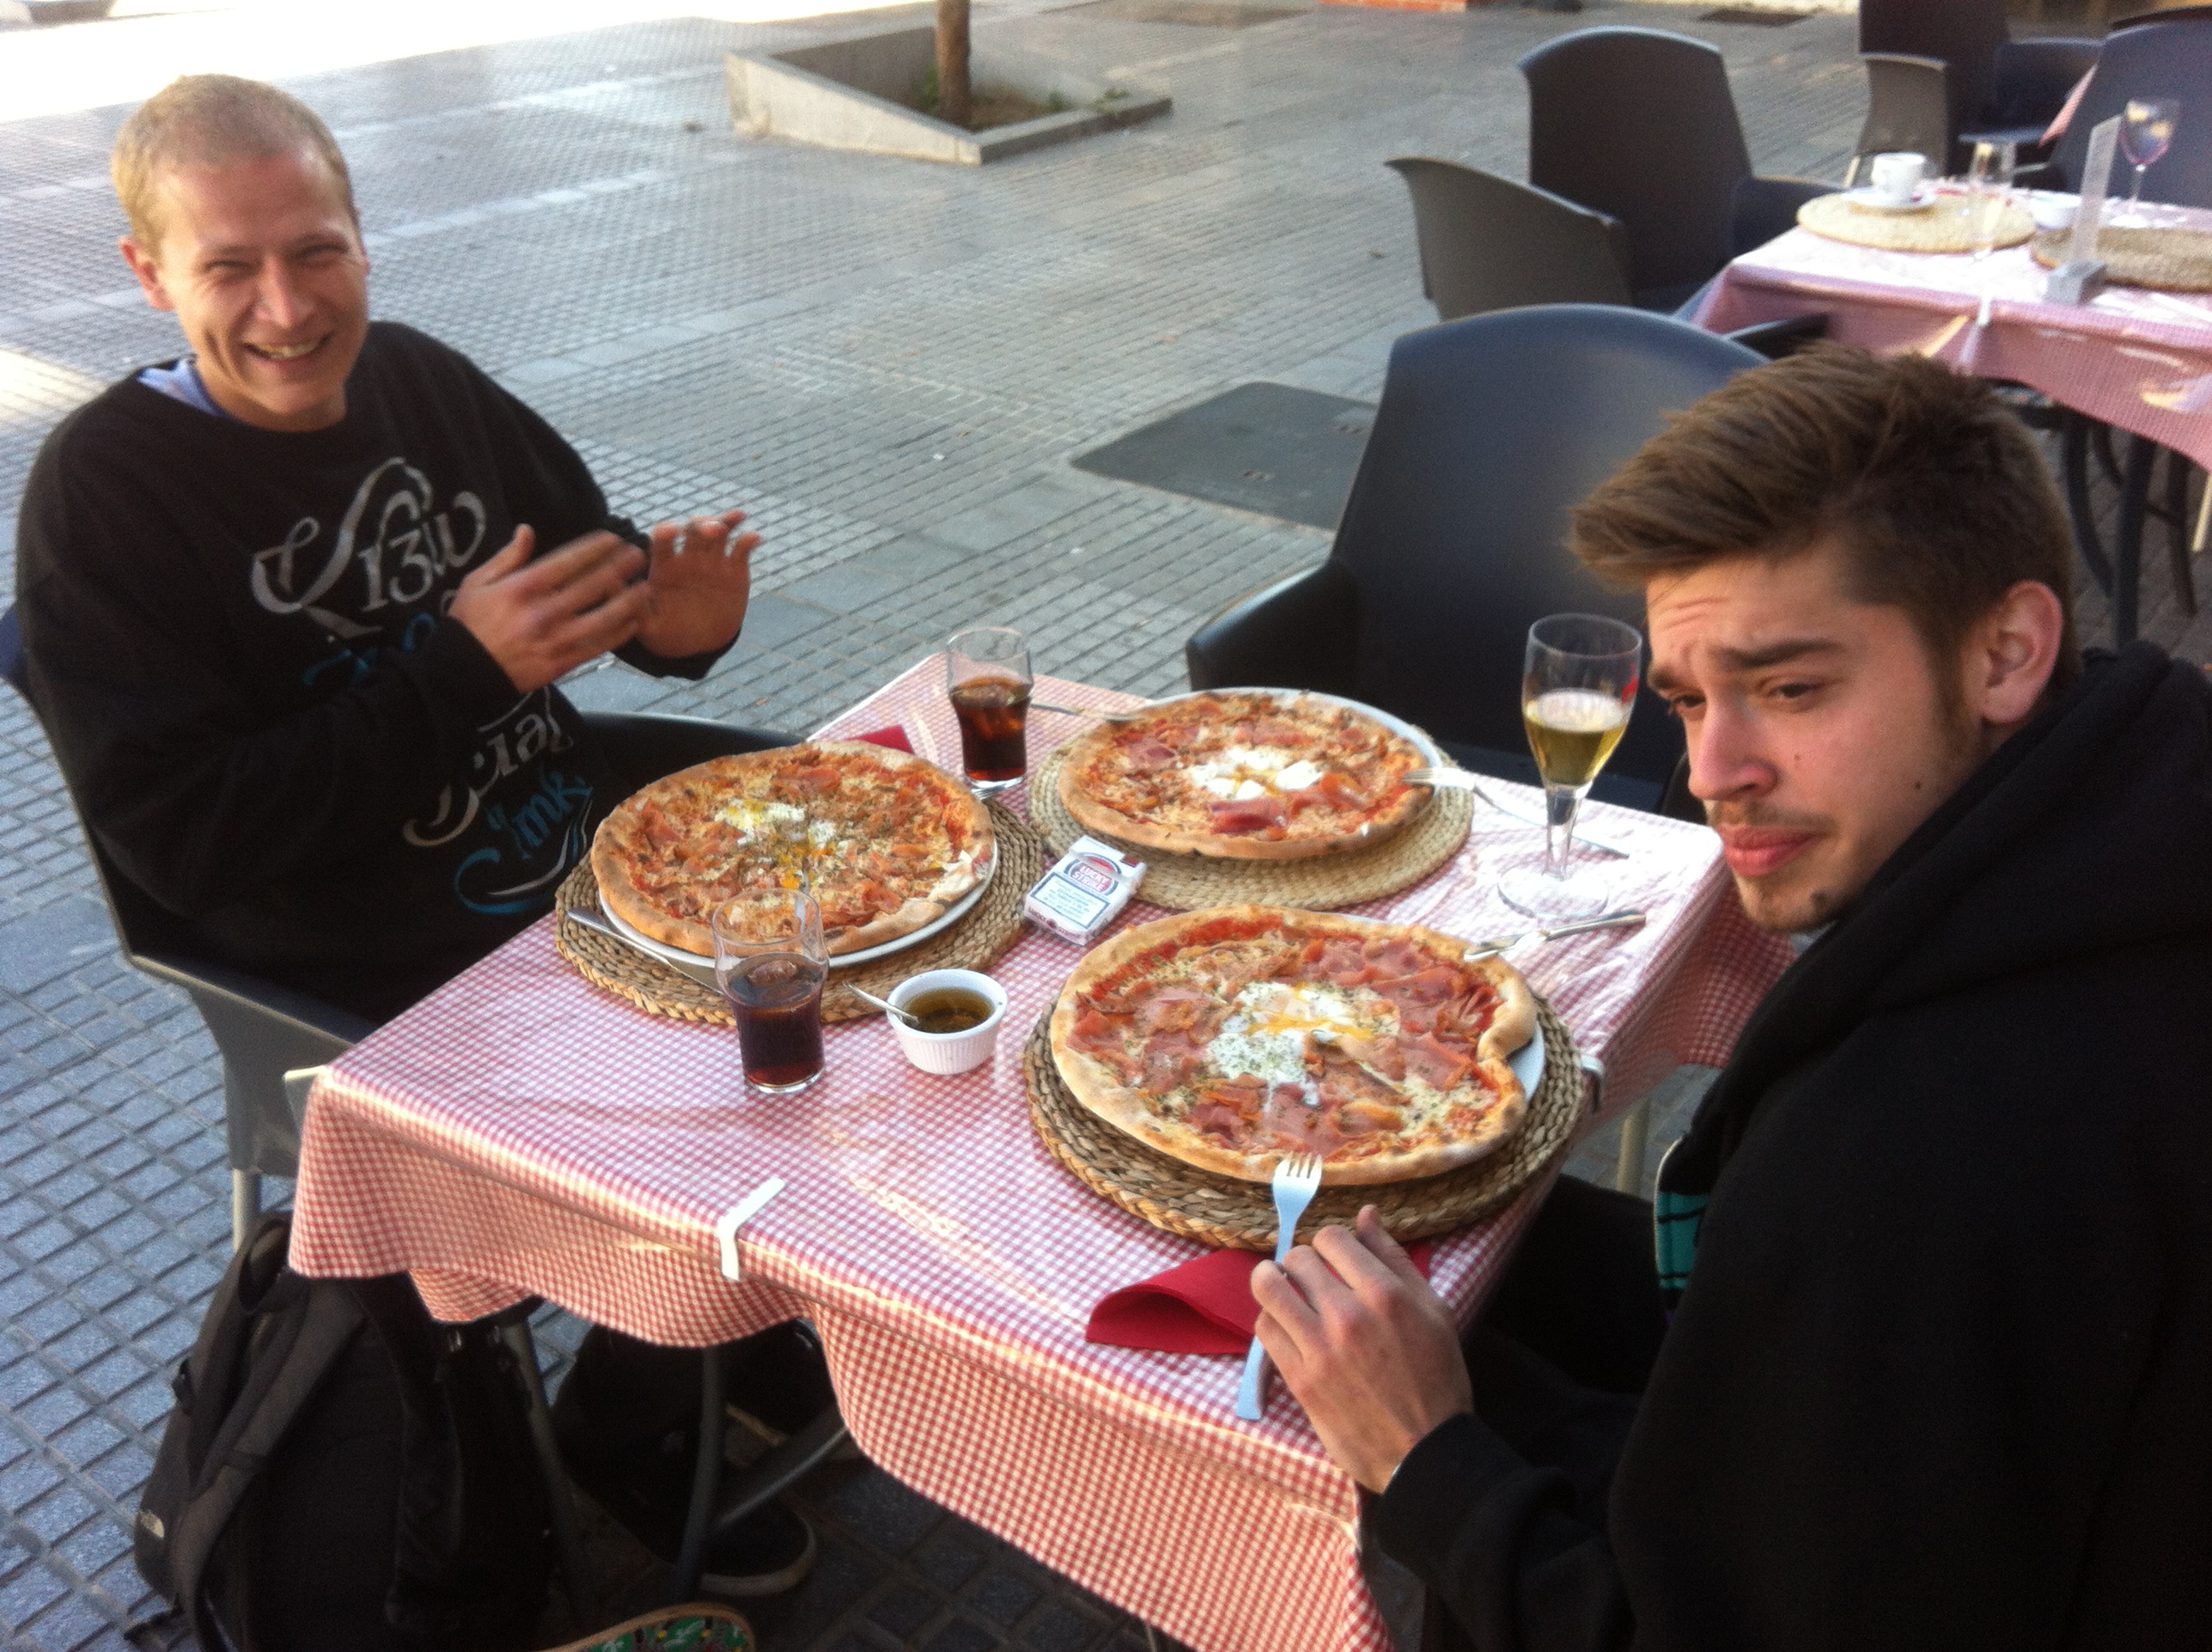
point(1232, 1038)
point(1247, 774)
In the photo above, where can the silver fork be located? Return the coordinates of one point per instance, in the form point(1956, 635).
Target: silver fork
point(1122, 716)
point(1295, 1181)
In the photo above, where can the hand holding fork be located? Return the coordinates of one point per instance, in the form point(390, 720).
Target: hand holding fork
point(1297, 1179)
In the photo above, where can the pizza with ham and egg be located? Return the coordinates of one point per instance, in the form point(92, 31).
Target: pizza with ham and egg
point(887, 841)
point(1234, 1037)
point(1246, 774)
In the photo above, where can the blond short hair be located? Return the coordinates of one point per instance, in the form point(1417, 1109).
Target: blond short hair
point(207, 120)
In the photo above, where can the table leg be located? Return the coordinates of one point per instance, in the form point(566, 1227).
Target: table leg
point(706, 1480)
point(2127, 547)
point(2073, 464)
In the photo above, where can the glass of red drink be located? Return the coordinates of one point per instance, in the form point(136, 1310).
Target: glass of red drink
point(770, 963)
point(987, 673)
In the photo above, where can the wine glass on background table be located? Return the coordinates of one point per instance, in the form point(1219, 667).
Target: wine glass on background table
point(1578, 687)
point(770, 961)
point(2145, 133)
point(986, 674)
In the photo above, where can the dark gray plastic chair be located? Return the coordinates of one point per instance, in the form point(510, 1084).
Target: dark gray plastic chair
point(1453, 542)
point(1639, 125)
point(1490, 244)
point(1907, 109)
point(264, 1028)
point(1995, 87)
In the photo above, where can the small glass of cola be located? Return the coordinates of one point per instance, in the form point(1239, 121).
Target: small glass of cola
point(770, 961)
point(987, 672)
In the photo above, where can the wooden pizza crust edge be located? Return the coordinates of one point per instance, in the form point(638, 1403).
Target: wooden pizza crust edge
point(1102, 1092)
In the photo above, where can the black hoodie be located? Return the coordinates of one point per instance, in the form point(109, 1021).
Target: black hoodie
point(1941, 1374)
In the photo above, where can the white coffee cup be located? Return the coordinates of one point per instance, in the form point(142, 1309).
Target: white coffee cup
point(953, 1052)
point(1895, 176)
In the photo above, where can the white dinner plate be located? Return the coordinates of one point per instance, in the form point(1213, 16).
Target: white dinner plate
point(1868, 200)
point(1528, 1063)
point(702, 969)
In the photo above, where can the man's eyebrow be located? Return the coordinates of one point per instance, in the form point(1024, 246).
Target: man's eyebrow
point(1733, 661)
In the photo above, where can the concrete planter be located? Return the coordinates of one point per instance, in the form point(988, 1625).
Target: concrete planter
point(853, 94)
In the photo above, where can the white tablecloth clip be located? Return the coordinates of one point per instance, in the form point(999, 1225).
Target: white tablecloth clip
point(726, 1231)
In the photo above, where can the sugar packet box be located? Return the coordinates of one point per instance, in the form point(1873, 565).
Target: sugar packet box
point(1083, 890)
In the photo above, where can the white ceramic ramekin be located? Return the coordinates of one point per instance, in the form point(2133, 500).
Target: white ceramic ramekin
point(948, 1053)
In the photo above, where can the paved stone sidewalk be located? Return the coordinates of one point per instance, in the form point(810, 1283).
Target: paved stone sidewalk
point(889, 363)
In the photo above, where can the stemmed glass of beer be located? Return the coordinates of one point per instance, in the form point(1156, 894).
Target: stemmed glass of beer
point(1578, 686)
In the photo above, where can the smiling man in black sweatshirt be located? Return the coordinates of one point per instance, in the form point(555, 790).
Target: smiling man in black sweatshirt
point(1938, 1246)
point(294, 605)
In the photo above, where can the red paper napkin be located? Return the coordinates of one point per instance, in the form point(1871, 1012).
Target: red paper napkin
point(894, 736)
point(1203, 1306)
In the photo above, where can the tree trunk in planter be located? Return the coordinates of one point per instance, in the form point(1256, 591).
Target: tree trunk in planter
point(953, 104)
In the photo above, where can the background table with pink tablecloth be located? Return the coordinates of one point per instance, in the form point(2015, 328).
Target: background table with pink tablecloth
point(2137, 358)
point(521, 1131)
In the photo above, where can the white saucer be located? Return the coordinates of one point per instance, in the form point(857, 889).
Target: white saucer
point(1868, 200)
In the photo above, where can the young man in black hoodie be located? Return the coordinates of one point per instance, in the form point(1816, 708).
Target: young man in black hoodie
point(1938, 1246)
point(294, 605)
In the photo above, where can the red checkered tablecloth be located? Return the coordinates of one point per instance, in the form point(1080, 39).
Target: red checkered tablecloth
point(2137, 358)
point(520, 1132)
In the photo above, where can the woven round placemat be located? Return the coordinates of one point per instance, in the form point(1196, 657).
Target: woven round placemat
point(974, 942)
point(1191, 883)
point(2177, 260)
point(1223, 1211)
point(1945, 226)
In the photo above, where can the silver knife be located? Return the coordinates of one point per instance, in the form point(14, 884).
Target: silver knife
point(1554, 932)
point(1461, 780)
point(701, 973)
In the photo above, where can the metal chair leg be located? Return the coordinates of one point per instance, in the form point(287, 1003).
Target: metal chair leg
point(706, 1480)
point(245, 1205)
point(1634, 1139)
point(782, 1467)
point(568, 1543)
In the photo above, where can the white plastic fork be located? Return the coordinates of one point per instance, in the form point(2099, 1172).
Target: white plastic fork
point(1295, 1181)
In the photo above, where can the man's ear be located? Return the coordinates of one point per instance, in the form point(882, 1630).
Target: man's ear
point(2012, 653)
point(147, 271)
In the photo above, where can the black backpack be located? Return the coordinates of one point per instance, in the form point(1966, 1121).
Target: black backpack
point(343, 1474)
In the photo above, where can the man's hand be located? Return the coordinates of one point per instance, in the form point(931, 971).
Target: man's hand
point(542, 619)
point(1369, 1350)
point(701, 577)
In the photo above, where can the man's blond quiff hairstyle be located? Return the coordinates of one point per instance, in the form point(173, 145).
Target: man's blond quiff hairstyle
point(207, 120)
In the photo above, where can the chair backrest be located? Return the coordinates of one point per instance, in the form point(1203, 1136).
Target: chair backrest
point(2170, 58)
point(1908, 108)
point(1488, 430)
point(1964, 34)
point(1490, 244)
point(141, 924)
point(1639, 125)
